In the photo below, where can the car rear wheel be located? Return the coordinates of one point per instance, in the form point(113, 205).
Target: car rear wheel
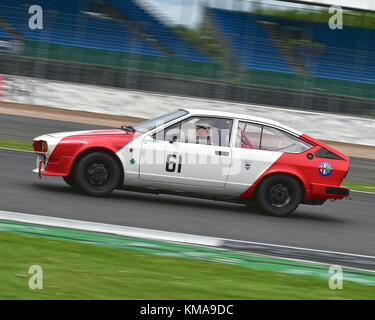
point(97, 174)
point(279, 195)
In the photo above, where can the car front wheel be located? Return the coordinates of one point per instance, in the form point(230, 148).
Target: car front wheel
point(97, 174)
point(70, 181)
point(279, 195)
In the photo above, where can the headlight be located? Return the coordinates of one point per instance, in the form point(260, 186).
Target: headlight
point(40, 146)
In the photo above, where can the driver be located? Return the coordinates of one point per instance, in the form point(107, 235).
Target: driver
point(214, 131)
point(203, 132)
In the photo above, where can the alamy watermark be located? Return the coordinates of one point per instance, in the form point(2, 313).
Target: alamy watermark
point(337, 19)
point(36, 20)
point(36, 280)
point(336, 279)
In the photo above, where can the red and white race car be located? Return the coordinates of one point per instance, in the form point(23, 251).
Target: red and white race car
point(199, 153)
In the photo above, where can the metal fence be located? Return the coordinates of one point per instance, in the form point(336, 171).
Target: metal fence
point(223, 77)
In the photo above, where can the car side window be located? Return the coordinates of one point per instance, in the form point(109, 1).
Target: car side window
point(277, 140)
point(248, 135)
point(256, 136)
point(168, 133)
point(206, 130)
point(199, 130)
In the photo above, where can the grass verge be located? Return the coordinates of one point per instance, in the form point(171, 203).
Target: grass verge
point(359, 186)
point(16, 145)
point(74, 270)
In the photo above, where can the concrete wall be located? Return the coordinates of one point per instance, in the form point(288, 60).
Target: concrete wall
point(147, 105)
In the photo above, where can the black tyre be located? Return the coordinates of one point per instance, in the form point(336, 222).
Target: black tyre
point(70, 180)
point(97, 174)
point(279, 195)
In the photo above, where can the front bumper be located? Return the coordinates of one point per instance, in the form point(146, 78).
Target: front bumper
point(47, 167)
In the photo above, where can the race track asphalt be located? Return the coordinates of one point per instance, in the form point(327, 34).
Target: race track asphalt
point(344, 226)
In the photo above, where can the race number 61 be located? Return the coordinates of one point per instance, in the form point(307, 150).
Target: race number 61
point(171, 164)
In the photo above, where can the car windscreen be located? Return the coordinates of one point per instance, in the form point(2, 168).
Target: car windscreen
point(153, 123)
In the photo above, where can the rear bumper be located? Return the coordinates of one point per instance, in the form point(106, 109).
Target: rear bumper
point(321, 191)
point(338, 190)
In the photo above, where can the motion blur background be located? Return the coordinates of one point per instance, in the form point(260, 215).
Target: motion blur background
point(106, 63)
point(265, 52)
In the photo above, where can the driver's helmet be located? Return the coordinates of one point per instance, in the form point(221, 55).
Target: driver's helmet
point(203, 129)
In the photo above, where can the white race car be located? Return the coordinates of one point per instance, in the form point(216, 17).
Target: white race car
point(199, 153)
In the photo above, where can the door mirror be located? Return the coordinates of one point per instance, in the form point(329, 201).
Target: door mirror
point(172, 139)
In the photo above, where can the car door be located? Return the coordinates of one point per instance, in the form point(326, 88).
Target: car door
point(249, 159)
point(195, 151)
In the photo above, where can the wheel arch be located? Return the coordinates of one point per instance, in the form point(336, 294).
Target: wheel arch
point(87, 151)
point(291, 174)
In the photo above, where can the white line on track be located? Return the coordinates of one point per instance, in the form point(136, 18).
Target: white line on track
point(147, 233)
point(301, 248)
point(110, 228)
point(11, 149)
point(366, 192)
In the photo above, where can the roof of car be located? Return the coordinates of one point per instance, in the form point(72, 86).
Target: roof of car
point(241, 116)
